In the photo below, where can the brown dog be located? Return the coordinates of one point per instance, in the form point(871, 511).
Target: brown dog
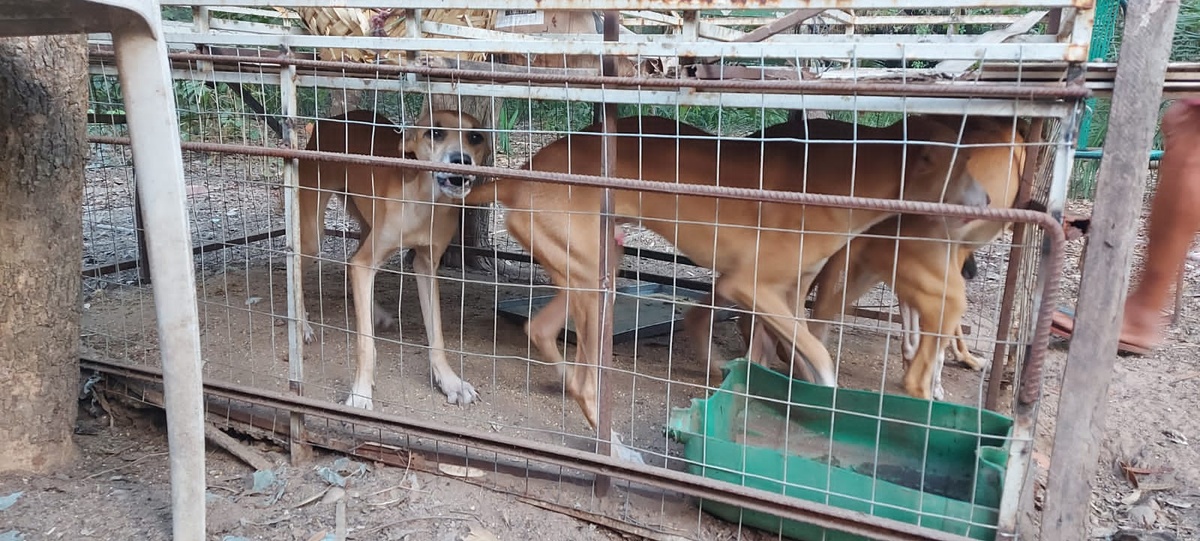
point(923, 258)
point(395, 208)
point(559, 225)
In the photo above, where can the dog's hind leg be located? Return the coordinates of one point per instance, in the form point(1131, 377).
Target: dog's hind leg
point(543, 329)
point(312, 231)
point(910, 333)
point(940, 311)
point(828, 302)
point(698, 327)
point(456, 390)
point(962, 353)
point(773, 311)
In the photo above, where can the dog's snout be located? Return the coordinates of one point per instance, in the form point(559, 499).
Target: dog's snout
point(460, 158)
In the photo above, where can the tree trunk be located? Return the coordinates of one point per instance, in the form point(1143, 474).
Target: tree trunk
point(343, 101)
point(43, 149)
point(475, 225)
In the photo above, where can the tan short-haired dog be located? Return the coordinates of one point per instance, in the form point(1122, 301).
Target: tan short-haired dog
point(559, 224)
point(928, 259)
point(923, 266)
point(395, 208)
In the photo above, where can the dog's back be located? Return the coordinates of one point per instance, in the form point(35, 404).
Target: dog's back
point(355, 132)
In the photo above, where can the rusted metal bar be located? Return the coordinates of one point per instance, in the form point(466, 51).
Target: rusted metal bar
point(725, 192)
point(1016, 257)
point(779, 25)
point(750, 498)
point(96, 272)
point(139, 227)
point(819, 87)
point(607, 281)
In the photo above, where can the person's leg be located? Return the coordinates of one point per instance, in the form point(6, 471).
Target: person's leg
point(1174, 221)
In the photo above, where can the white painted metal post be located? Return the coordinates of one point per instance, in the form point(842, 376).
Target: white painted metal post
point(154, 129)
point(300, 451)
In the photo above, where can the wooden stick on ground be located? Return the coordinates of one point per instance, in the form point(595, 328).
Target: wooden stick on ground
point(244, 453)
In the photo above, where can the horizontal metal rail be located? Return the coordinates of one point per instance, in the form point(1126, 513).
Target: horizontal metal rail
point(1006, 108)
point(693, 485)
point(667, 5)
point(876, 88)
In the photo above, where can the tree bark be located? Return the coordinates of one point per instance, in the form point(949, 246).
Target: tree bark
point(43, 149)
point(475, 222)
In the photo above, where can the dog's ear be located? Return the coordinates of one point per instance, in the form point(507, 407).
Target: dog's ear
point(929, 159)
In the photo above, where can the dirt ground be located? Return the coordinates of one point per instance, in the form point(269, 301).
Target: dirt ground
point(1149, 476)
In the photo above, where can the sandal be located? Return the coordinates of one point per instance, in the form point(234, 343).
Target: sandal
point(1062, 324)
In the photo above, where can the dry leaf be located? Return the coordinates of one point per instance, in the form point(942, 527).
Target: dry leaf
point(1132, 498)
point(311, 499)
point(334, 494)
point(1178, 503)
point(460, 471)
point(478, 533)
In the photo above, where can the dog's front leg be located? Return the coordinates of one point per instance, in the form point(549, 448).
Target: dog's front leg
point(456, 390)
point(362, 280)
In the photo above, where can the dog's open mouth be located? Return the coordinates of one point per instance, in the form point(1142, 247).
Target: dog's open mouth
point(456, 186)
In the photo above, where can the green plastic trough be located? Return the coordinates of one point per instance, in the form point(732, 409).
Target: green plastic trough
point(863, 453)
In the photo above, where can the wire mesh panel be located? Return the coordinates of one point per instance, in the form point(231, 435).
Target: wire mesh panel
point(759, 152)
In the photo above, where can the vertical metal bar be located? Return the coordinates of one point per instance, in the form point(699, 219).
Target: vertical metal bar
point(201, 23)
point(412, 29)
point(1016, 258)
point(300, 451)
point(139, 228)
point(607, 280)
point(1137, 95)
point(154, 128)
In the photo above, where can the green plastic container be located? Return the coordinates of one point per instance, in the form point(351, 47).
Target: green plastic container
point(864, 453)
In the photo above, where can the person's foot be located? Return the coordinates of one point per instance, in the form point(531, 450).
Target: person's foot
point(1135, 338)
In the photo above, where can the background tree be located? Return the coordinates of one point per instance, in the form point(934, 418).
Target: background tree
point(43, 149)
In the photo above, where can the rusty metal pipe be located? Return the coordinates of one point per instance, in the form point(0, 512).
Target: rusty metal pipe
point(572, 179)
point(1016, 257)
point(607, 281)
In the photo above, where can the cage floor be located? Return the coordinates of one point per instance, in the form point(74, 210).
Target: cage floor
point(244, 341)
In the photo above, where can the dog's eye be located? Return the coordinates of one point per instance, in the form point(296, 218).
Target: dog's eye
point(475, 138)
point(437, 135)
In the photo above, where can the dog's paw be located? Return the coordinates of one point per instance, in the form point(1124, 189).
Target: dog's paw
point(308, 333)
point(619, 451)
point(458, 391)
point(359, 401)
point(969, 359)
point(939, 393)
